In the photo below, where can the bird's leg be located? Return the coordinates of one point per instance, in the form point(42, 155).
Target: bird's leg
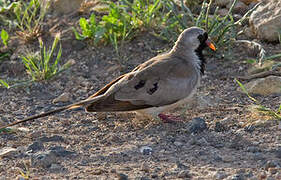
point(169, 118)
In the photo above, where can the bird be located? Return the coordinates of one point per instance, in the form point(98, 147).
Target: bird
point(153, 87)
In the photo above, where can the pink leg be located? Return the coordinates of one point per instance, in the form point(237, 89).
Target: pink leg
point(169, 118)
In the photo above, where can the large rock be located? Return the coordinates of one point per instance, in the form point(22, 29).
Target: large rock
point(62, 7)
point(265, 21)
point(239, 7)
point(222, 3)
point(264, 86)
point(249, 1)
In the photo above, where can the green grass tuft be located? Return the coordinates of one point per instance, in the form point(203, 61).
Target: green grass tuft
point(30, 16)
point(45, 64)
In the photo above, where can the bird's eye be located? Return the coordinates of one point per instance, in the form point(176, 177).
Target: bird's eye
point(205, 35)
point(201, 38)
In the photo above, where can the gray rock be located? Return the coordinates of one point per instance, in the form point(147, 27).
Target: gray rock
point(36, 146)
point(59, 151)
point(217, 158)
point(265, 21)
point(239, 7)
point(43, 159)
point(219, 127)
point(197, 125)
point(54, 138)
point(62, 7)
point(253, 149)
point(154, 176)
point(122, 176)
point(146, 150)
point(264, 86)
point(238, 177)
point(222, 3)
point(258, 156)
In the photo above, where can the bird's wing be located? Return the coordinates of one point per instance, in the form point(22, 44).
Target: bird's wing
point(157, 82)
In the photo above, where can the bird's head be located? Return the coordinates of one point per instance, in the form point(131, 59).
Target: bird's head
point(195, 38)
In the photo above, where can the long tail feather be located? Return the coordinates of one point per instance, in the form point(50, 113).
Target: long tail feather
point(83, 103)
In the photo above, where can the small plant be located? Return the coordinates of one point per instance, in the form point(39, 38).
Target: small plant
point(4, 84)
point(90, 29)
point(143, 12)
point(274, 113)
point(118, 26)
point(6, 5)
point(29, 19)
point(44, 65)
point(25, 173)
point(4, 37)
point(7, 16)
point(112, 28)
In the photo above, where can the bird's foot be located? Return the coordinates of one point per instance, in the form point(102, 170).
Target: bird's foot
point(169, 118)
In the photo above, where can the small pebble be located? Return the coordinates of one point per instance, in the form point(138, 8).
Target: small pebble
point(258, 156)
point(253, 149)
point(197, 125)
point(36, 146)
point(217, 158)
point(64, 97)
point(219, 127)
point(146, 150)
point(122, 176)
point(238, 177)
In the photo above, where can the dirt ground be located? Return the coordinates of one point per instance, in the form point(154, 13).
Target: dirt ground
point(80, 145)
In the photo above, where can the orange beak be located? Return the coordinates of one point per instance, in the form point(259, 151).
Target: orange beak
point(211, 45)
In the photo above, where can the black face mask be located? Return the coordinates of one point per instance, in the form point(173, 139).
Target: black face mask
point(202, 38)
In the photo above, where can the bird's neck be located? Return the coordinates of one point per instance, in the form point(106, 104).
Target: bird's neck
point(202, 60)
point(196, 56)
